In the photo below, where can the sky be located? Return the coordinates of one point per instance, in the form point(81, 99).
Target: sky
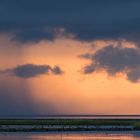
point(69, 57)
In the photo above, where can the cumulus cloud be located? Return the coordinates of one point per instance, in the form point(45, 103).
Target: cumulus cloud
point(32, 70)
point(88, 20)
point(115, 60)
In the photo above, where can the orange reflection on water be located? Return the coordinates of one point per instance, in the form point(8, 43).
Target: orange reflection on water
point(85, 136)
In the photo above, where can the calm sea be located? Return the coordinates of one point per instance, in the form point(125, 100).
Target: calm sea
point(72, 136)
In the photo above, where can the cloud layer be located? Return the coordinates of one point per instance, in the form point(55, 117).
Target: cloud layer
point(32, 70)
point(115, 60)
point(88, 20)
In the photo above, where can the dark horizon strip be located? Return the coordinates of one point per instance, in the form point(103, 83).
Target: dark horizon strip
point(125, 115)
point(135, 116)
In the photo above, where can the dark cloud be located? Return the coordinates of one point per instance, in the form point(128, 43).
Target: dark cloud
point(115, 60)
point(88, 20)
point(56, 70)
point(32, 70)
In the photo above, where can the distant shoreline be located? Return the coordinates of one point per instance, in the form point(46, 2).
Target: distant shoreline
point(71, 117)
point(27, 125)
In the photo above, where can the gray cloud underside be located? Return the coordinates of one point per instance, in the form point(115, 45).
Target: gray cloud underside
point(115, 60)
point(88, 20)
point(32, 70)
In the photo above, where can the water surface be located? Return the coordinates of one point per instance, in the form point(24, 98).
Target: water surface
point(71, 136)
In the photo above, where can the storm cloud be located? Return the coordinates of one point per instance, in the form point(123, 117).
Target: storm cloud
point(115, 60)
point(32, 70)
point(35, 20)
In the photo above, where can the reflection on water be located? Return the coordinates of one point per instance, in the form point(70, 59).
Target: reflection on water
point(71, 136)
